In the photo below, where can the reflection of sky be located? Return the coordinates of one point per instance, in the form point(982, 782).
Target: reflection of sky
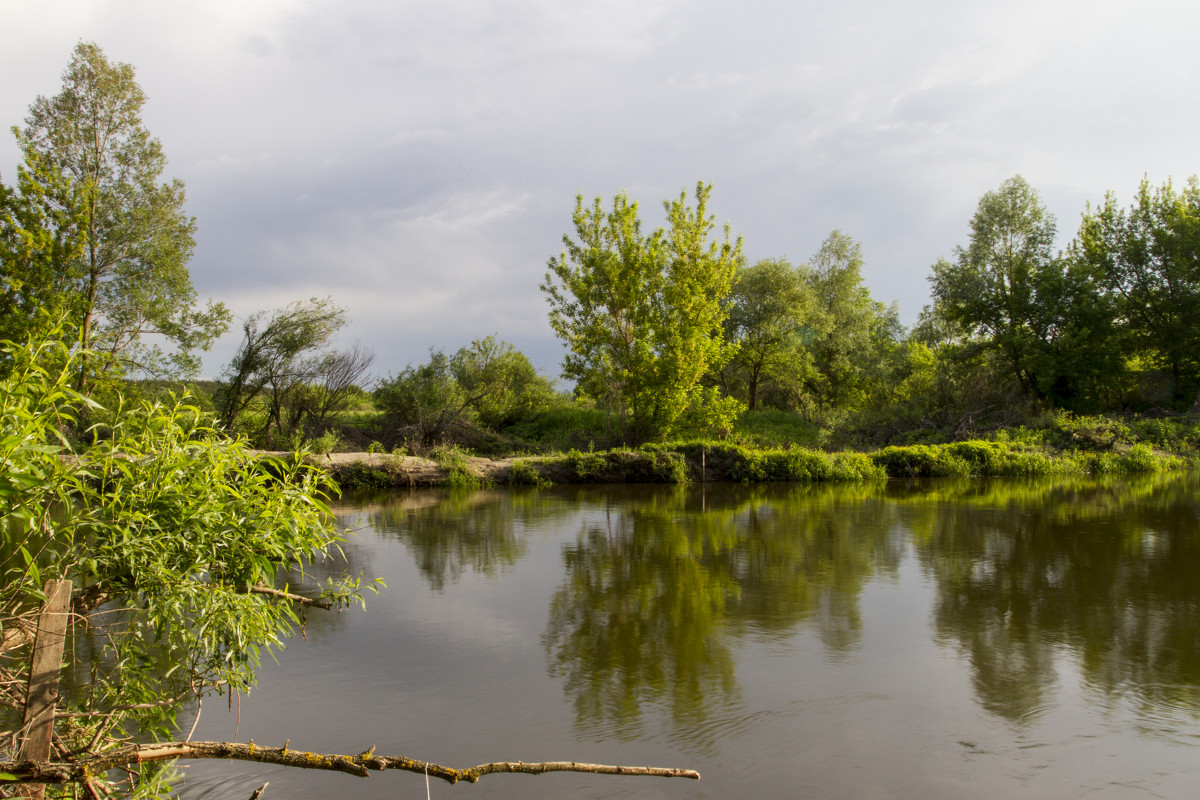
point(459, 675)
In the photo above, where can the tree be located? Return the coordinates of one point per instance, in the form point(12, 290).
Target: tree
point(178, 532)
point(1148, 259)
point(485, 386)
point(425, 404)
point(642, 315)
point(279, 360)
point(131, 275)
point(772, 318)
point(1007, 285)
point(855, 336)
point(500, 382)
point(40, 229)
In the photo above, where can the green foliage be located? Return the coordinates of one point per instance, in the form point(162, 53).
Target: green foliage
point(1148, 260)
point(566, 424)
point(856, 337)
point(773, 319)
point(777, 429)
point(642, 315)
point(459, 474)
point(466, 398)
point(499, 382)
point(279, 385)
point(132, 276)
point(41, 228)
point(167, 522)
point(523, 473)
point(587, 466)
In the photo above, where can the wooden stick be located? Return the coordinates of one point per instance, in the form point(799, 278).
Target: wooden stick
point(44, 669)
point(359, 765)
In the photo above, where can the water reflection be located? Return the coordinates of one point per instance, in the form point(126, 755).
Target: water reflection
point(451, 532)
point(659, 588)
point(1102, 573)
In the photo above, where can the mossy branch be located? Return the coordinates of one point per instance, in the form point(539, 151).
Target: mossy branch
point(361, 765)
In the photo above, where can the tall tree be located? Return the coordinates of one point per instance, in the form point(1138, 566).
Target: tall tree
point(642, 315)
point(1148, 259)
point(132, 271)
point(854, 335)
point(1007, 285)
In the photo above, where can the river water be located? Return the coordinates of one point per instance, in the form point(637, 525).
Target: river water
point(983, 639)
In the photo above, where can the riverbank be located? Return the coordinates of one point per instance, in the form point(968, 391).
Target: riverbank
point(720, 462)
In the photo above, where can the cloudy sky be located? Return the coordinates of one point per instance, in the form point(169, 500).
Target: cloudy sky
point(417, 160)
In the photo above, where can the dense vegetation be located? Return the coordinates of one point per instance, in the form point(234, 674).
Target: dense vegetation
point(685, 359)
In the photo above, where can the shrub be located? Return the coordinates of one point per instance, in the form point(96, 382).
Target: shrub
point(523, 473)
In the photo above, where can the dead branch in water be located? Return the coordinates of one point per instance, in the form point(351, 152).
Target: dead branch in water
point(361, 765)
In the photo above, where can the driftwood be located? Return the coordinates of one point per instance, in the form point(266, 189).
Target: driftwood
point(361, 765)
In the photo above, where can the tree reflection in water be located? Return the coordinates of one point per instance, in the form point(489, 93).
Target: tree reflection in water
point(659, 588)
point(1104, 572)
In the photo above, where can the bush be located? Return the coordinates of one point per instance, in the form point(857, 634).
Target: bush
point(522, 473)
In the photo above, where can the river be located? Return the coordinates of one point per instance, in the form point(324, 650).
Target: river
point(946, 639)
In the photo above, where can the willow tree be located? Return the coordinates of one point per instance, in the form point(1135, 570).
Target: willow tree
point(641, 314)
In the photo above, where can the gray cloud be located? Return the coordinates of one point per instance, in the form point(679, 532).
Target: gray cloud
point(418, 161)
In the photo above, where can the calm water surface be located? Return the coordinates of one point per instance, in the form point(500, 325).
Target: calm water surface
point(936, 640)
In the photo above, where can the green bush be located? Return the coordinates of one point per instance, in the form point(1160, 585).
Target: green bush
point(522, 473)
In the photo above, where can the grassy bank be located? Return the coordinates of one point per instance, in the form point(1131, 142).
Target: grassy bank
point(685, 462)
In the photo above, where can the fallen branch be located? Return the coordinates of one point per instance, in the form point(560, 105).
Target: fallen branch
point(78, 771)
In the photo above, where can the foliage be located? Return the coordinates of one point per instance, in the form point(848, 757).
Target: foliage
point(499, 382)
point(89, 157)
point(855, 341)
point(773, 318)
point(461, 399)
point(459, 474)
point(1148, 260)
point(280, 363)
point(524, 473)
point(180, 532)
point(642, 315)
point(41, 228)
point(567, 423)
point(1037, 311)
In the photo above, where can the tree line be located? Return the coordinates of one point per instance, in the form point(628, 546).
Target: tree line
point(668, 333)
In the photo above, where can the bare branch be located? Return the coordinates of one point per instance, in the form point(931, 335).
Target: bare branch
point(360, 765)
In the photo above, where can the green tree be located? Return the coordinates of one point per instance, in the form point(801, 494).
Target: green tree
point(642, 315)
point(856, 336)
point(175, 538)
point(1148, 260)
point(772, 319)
point(485, 386)
point(40, 230)
point(425, 404)
point(1007, 285)
point(132, 273)
point(500, 382)
point(279, 360)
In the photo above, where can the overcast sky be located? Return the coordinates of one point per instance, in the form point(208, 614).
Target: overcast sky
point(418, 161)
